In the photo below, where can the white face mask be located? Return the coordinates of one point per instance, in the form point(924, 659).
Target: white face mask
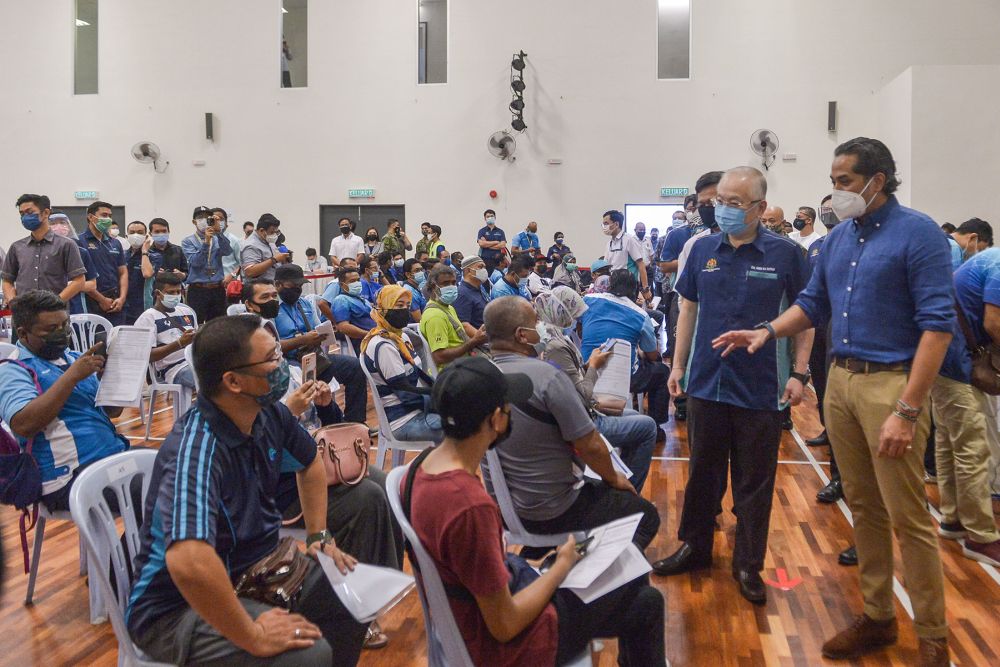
point(114, 232)
point(271, 238)
point(846, 204)
point(202, 224)
point(136, 240)
point(481, 275)
point(398, 263)
point(606, 229)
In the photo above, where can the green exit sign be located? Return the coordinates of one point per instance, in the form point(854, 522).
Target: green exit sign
point(85, 194)
point(361, 193)
point(673, 192)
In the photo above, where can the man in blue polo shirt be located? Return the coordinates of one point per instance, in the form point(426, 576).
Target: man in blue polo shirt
point(109, 260)
point(492, 240)
point(745, 274)
point(351, 311)
point(884, 282)
point(69, 432)
point(526, 240)
point(515, 281)
point(211, 514)
point(473, 292)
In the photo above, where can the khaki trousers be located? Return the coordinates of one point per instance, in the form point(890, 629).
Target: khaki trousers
point(993, 440)
point(963, 457)
point(885, 495)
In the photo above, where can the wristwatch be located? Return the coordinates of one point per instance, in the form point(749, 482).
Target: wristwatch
point(323, 537)
point(771, 335)
point(801, 377)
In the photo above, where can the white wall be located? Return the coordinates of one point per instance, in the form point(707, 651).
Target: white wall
point(592, 99)
point(435, 14)
point(895, 128)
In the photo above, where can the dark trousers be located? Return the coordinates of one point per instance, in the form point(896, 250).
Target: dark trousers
point(672, 311)
point(651, 379)
point(596, 505)
point(633, 613)
point(347, 370)
point(207, 303)
point(748, 441)
point(116, 319)
point(819, 367)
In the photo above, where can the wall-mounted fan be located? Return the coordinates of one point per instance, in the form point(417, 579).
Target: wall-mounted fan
point(147, 152)
point(765, 144)
point(502, 145)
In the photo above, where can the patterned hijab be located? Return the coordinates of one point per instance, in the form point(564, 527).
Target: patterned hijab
point(561, 307)
point(386, 300)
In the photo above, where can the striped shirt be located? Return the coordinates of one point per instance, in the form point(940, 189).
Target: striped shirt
point(214, 484)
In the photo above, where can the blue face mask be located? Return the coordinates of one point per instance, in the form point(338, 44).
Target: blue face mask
point(731, 220)
point(160, 239)
point(678, 222)
point(31, 221)
point(448, 294)
point(419, 278)
point(354, 289)
point(522, 282)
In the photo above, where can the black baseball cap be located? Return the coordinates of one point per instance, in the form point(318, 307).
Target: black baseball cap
point(201, 212)
point(470, 388)
point(290, 273)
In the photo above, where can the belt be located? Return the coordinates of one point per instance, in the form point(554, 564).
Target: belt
point(868, 367)
point(215, 285)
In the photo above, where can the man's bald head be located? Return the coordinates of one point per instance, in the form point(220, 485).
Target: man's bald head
point(748, 178)
point(773, 218)
point(504, 316)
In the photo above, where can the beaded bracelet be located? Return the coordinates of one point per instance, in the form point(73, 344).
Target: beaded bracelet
point(908, 409)
point(905, 417)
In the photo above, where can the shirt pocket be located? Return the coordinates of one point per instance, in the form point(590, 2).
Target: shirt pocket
point(52, 266)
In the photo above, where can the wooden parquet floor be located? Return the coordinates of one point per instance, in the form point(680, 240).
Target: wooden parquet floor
point(708, 623)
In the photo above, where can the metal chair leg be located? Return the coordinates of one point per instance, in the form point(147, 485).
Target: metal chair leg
point(36, 554)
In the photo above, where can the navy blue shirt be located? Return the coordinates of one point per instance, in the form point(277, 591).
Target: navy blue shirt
point(470, 304)
point(556, 249)
point(814, 251)
point(107, 255)
point(674, 242)
point(738, 288)
point(136, 282)
point(214, 484)
point(881, 284)
point(488, 234)
point(77, 304)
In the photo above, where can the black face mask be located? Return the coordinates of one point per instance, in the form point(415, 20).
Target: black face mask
point(345, 230)
point(397, 317)
point(707, 214)
point(506, 434)
point(799, 224)
point(290, 294)
point(829, 219)
point(373, 237)
point(640, 235)
point(54, 344)
point(268, 309)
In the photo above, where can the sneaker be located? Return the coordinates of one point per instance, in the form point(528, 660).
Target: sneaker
point(934, 653)
point(984, 553)
point(864, 636)
point(930, 478)
point(375, 638)
point(951, 531)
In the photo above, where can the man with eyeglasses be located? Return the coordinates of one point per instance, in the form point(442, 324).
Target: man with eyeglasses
point(624, 250)
point(744, 275)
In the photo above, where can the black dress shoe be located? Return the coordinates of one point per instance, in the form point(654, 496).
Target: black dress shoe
point(848, 556)
point(751, 586)
point(681, 415)
point(684, 559)
point(787, 424)
point(831, 493)
point(819, 441)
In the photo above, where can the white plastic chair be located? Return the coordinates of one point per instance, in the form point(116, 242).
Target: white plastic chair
point(189, 358)
point(98, 531)
point(423, 349)
point(8, 351)
point(515, 530)
point(638, 399)
point(44, 515)
point(236, 309)
point(445, 645)
point(386, 441)
point(83, 329)
point(180, 396)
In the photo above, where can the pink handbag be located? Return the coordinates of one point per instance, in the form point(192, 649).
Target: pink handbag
point(344, 451)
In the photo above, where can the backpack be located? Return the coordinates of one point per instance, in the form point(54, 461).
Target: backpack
point(20, 478)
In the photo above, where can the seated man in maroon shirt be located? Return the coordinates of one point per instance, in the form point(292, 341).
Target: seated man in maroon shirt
point(460, 526)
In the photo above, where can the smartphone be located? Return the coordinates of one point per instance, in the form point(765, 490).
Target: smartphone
point(608, 345)
point(581, 548)
point(309, 367)
point(101, 337)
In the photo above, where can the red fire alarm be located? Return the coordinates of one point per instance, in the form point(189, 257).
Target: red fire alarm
point(493, 194)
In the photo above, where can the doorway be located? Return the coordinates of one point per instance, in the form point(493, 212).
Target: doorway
point(365, 215)
point(654, 216)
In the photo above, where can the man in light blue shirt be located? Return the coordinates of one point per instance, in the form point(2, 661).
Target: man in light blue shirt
point(48, 397)
point(527, 239)
point(515, 281)
point(972, 236)
point(204, 251)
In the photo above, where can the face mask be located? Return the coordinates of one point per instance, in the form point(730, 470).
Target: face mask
point(202, 224)
point(271, 238)
point(268, 309)
point(448, 294)
point(373, 237)
point(31, 221)
point(606, 229)
point(707, 215)
point(398, 263)
point(799, 224)
point(419, 278)
point(522, 282)
point(104, 226)
point(640, 235)
point(161, 239)
point(491, 221)
point(481, 275)
point(571, 267)
point(680, 222)
point(397, 317)
point(850, 204)
point(829, 219)
point(447, 262)
point(277, 380)
point(290, 294)
point(543, 337)
point(375, 275)
point(170, 301)
point(731, 220)
point(345, 230)
point(136, 240)
point(559, 240)
point(354, 289)
point(222, 225)
point(61, 230)
point(54, 344)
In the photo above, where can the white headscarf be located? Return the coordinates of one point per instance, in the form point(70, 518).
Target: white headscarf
point(561, 307)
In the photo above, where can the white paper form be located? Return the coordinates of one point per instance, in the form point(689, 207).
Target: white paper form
point(616, 462)
point(616, 377)
point(368, 591)
point(610, 540)
point(125, 368)
point(629, 565)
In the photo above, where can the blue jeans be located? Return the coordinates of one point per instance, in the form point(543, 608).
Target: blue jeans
point(425, 426)
point(635, 436)
point(185, 377)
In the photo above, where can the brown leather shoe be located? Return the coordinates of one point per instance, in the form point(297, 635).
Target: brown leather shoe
point(864, 636)
point(934, 653)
